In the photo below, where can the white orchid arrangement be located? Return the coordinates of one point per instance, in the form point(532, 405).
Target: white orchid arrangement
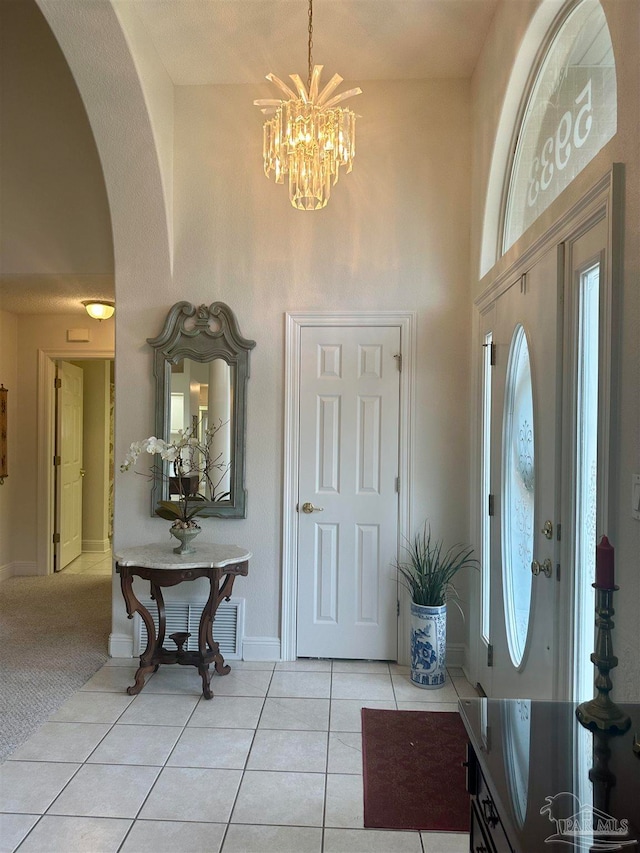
point(187, 455)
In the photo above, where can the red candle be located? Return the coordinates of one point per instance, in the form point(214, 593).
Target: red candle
point(604, 564)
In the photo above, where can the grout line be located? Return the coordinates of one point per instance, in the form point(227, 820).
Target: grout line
point(242, 771)
point(246, 762)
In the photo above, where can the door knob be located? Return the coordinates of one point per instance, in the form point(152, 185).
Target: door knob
point(308, 507)
point(545, 568)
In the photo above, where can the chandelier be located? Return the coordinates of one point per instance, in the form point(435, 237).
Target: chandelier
point(307, 136)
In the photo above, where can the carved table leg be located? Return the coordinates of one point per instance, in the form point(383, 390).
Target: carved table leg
point(156, 595)
point(220, 587)
point(141, 672)
point(204, 635)
point(205, 674)
point(147, 662)
point(223, 592)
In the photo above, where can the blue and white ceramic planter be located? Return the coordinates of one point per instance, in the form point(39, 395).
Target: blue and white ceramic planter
point(428, 645)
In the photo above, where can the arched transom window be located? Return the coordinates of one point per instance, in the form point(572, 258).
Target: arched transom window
point(570, 114)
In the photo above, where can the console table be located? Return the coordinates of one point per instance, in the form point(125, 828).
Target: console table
point(542, 783)
point(162, 568)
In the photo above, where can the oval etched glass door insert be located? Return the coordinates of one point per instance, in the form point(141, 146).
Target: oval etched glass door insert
point(519, 495)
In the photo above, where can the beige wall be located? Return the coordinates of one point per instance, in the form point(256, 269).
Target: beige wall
point(489, 85)
point(393, 236)
point(9, 378)
point(54, 216)
point(47, 333)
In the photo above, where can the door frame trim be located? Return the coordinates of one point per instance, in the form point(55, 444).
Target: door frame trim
point(294, 324)
point(45, 447)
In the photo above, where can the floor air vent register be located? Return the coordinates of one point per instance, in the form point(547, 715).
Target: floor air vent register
point(228, 627)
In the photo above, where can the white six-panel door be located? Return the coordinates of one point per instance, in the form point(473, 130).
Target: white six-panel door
point(348, 537)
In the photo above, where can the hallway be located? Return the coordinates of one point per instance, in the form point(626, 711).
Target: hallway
point(90, 564)
point(272, 764)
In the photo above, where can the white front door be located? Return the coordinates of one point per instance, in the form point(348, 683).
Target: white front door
point(69, 468)
point(347, 492)
point(526, 410)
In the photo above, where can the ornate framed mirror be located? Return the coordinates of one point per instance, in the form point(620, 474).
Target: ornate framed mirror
point(201, 367)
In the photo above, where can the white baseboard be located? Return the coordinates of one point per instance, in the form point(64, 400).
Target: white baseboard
point(22, 568)
point(261, 648)
point(120, 646)
point(6, 571)
point(96, 546)
point(456, 654)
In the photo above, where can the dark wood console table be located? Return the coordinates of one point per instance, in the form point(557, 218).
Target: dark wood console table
point(542, 783)
point(162, 568)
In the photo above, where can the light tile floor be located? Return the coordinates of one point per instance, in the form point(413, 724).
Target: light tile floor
point(273, 764)
point(89, 563)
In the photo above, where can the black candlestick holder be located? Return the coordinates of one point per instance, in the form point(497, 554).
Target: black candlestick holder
point(601, 713)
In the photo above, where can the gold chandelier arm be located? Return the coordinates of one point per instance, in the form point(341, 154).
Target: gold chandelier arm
point(315, 82)
point(328, 89)
point(290, 94)
point(302, 89)
point(339, 98)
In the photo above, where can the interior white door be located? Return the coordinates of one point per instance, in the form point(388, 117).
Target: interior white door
point(524, 628)
point(347, 492)
point(69, 469)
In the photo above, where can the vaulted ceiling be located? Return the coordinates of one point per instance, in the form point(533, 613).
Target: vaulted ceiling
point(239, 41)
point(205, 42)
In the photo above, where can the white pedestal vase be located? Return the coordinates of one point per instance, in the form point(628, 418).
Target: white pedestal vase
point(185, 535)
point(428, 645)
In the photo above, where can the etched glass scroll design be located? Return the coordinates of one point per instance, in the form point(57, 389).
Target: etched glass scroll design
point(519, 495)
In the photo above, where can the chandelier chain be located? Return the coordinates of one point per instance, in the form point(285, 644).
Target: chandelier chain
point(309, 53)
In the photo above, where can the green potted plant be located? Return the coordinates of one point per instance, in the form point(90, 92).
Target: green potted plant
point(427, 573)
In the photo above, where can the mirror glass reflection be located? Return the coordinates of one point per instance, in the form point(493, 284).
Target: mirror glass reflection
point(201, 401)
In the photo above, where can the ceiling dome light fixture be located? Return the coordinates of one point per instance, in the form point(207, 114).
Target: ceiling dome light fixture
point(309, 137)
point(99, 309)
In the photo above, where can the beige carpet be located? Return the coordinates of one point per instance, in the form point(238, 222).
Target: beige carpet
point(54, 635)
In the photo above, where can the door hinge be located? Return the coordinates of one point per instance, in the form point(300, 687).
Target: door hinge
point(56, 538)
point(491, 508)
point(398, 603)
point(492, 353)
point(398, 485)
point(490, 654)
point(57, 460)
point(558, 532)
point(398, 358)
point(557, 571)
point(57, 382)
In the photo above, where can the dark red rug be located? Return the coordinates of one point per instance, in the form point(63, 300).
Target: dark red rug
point(413, 770)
